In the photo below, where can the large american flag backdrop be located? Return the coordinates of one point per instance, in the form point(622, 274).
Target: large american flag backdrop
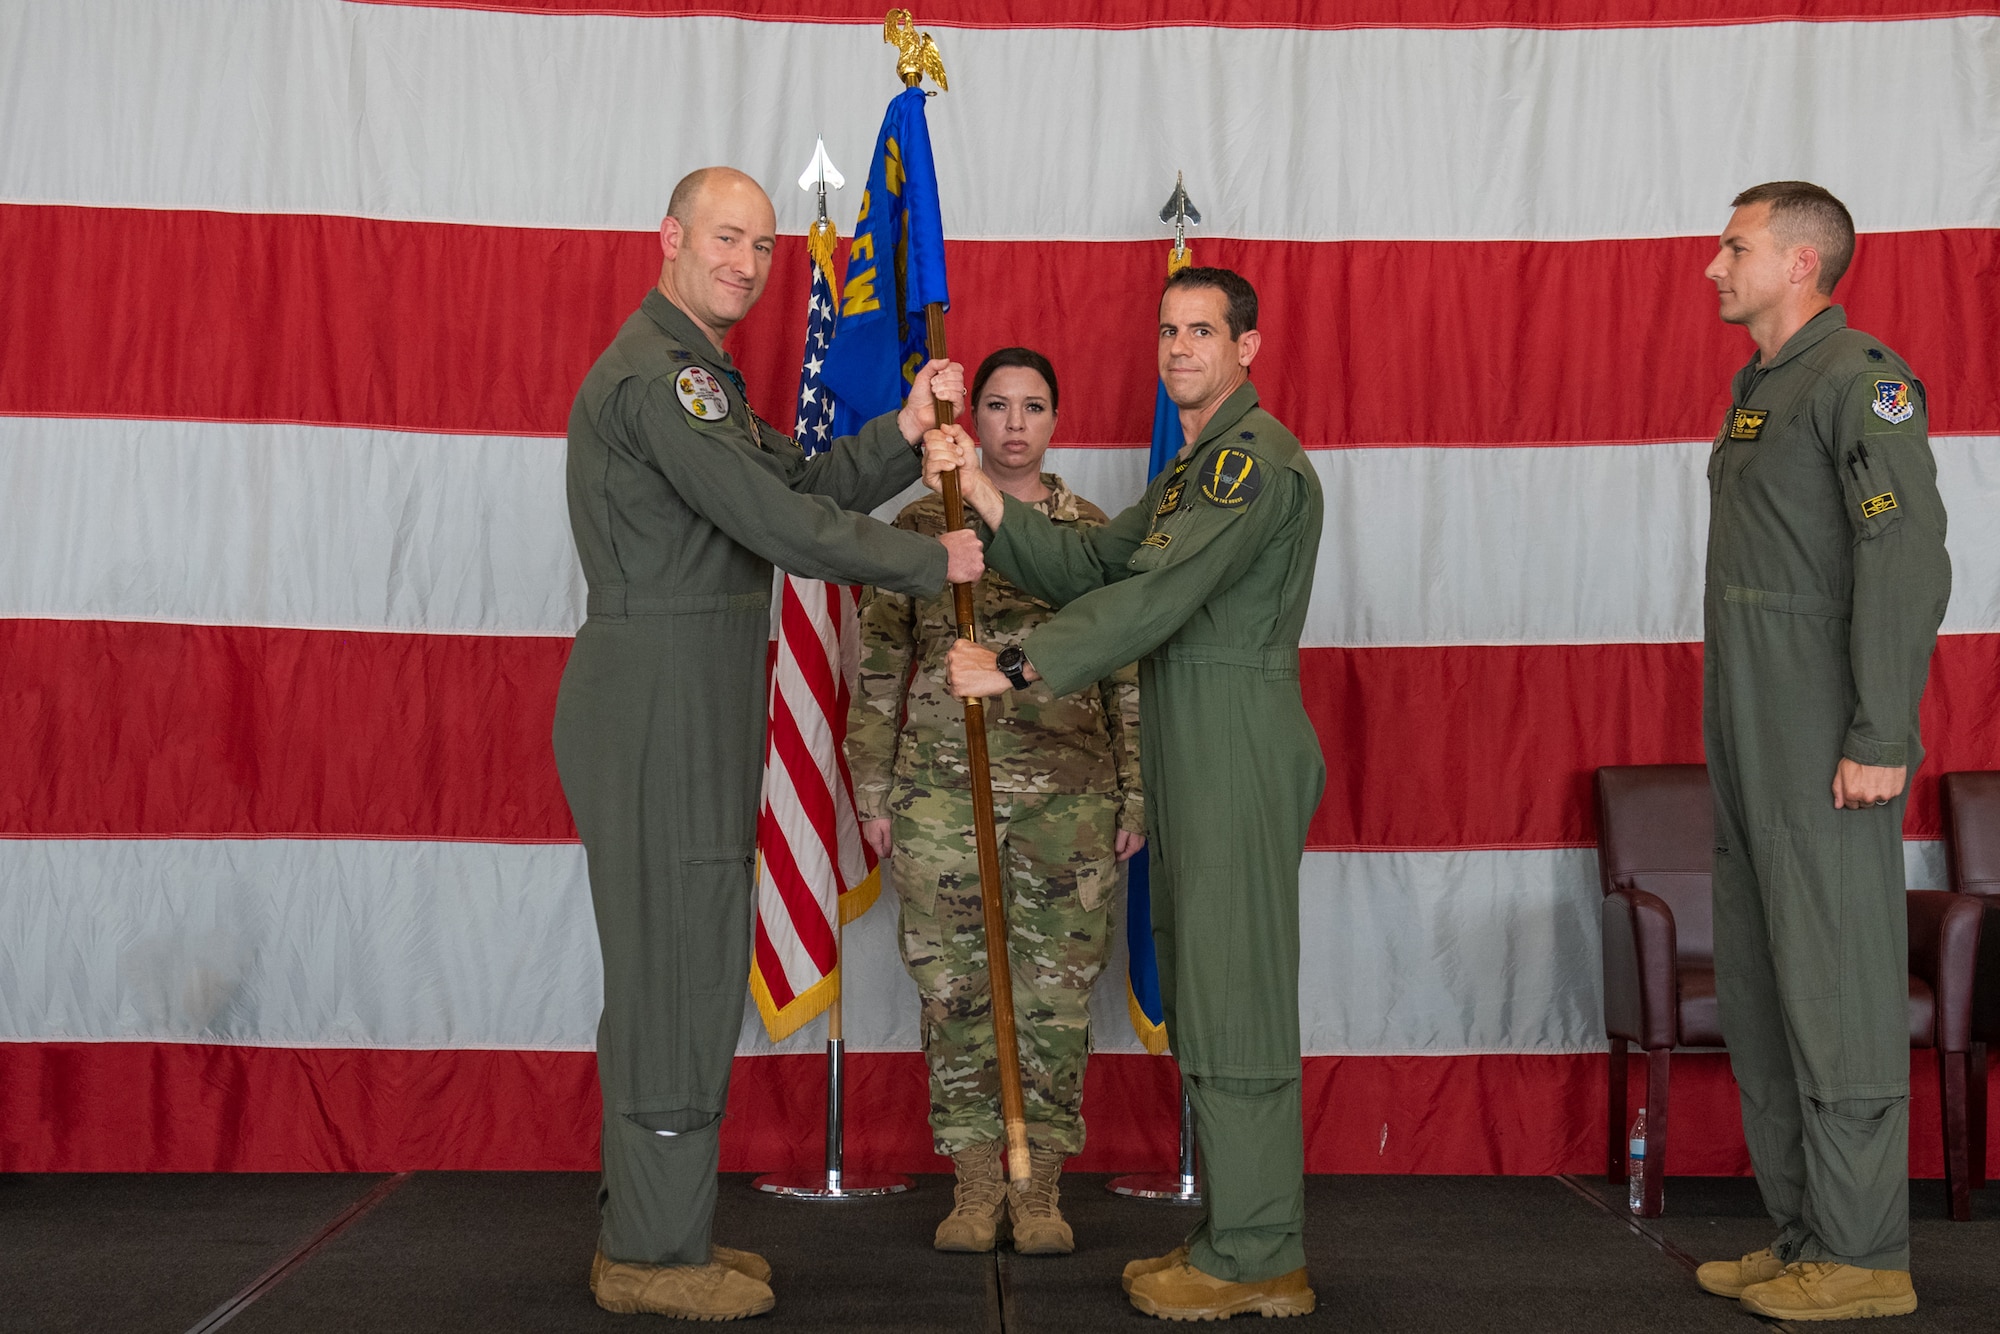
point(294, 297)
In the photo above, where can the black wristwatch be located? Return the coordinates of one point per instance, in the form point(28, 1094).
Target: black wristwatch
point(1014, 663)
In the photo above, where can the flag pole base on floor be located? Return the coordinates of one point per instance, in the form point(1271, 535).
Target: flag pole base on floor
point(834, 1183)
point(1180, 1187)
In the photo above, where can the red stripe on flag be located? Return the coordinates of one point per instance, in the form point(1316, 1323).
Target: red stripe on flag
point(808, 917)
point(95, 1107)
point(769, 966)
point(115, 729)
point(121, 729)
point(1297, 14)
point(441, 327)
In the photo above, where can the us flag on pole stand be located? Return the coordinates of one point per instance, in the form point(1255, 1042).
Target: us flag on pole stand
point(811, 860)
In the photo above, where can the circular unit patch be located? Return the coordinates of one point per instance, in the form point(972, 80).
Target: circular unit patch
point(701, 394)
point(1231, 479)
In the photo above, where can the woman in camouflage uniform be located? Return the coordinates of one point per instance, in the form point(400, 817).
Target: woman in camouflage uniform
point(1067, 810)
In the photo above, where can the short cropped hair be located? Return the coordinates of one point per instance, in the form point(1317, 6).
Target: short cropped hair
point(680, 205)
point(1024, 357)
point(1806, 214)
point(1235, 288)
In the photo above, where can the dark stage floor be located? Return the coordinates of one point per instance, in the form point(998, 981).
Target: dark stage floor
point(493, 1251)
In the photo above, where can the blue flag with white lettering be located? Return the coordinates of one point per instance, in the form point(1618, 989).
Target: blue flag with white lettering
point(1142, 969)
point(894, 269)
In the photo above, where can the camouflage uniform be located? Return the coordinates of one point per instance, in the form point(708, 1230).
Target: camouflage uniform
point(1065, 779)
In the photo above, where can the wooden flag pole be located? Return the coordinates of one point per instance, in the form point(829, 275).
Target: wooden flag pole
point(917, 56)
point(992, 904)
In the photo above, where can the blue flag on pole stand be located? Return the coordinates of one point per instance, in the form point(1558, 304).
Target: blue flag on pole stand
point(1142, 972)
point(894, 269)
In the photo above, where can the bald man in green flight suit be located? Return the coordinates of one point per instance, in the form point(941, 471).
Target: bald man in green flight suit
point(1205, 583)
point(680, 502)
point(1827, 580)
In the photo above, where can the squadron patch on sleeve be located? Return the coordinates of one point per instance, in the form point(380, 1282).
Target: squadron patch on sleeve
point(1231, 479)
point(1875, 505)
point(701, 395)
point(1746, 423)
point(1892, 401)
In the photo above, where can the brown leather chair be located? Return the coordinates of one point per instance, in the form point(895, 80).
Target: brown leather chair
point(1655, 843)
point(1971, 803)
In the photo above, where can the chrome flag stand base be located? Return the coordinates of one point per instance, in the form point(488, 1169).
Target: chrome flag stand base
point(1180, 1187)
point(834, 1183)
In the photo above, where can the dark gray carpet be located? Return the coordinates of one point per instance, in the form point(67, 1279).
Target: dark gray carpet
point(1956, 1266)
point(149, 1253)
point(510, 1251)
point(1411, 1254)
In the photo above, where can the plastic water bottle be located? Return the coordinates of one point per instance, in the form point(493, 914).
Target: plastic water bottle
point(1635, 1163)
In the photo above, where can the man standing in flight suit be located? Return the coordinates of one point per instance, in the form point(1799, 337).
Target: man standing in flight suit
point(1205, 583)
point(680, 502)
point(1827, 579)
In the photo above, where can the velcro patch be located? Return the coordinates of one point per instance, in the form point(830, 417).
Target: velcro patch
point(1159, 540)
point(701, 394)
point(1232, 479)
point(1875, 505)
point(1746, 423)
point(1892, 401)
point(1170, 499)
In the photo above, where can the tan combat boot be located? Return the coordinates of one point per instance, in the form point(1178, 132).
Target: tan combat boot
point(1728, 1278)
point(1816, 1290)
point(747, 1263)
point(713, 1291)
point(978, 1201)
point(1185, 1293)
point(1177, 1256)
point(1039, 1228)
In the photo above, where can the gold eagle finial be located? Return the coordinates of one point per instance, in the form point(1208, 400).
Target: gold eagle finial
point(916, 54)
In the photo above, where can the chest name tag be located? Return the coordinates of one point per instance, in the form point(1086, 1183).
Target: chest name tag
point(1875, 505)
point(701, 394)
point(1232, 479)
point(1159, 540)
point(1746, 423)
point(1892, 402)
point(1170, 499)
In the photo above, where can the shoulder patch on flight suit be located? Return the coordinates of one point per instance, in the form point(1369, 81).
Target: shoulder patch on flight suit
point(1232, 479)
point(701, 394)
point(1874, 354)
point(1875, 505)
point(1892, 401)
point(1746, 423)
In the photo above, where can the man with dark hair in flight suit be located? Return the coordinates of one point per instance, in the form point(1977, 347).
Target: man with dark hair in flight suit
point(680, 502)
point(1205, 582)
point(1827, 579)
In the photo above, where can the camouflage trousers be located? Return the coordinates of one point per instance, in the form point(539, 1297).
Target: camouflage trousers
point(1059, 866)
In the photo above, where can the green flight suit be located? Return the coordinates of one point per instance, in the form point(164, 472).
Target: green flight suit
point(1827, 578)
point(680, 502)
point(1205, 582)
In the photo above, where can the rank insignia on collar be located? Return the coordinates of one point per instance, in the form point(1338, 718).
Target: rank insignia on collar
point(1875, 505)
point(1231, 479)
point(1746, 423)
point(701, 394)
point(1892, 401)
point(1170, 499)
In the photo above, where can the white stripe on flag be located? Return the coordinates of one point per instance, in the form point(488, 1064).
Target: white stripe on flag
point(315, 106)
